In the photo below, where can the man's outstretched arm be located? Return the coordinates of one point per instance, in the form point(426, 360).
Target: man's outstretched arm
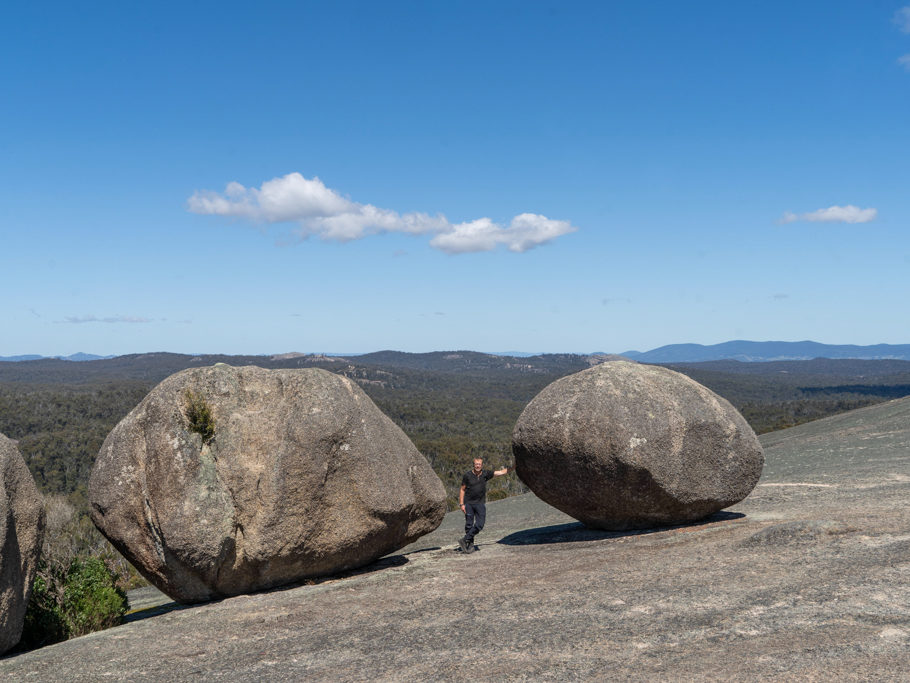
point(499, 473)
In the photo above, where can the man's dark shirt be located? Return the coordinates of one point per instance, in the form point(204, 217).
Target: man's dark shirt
point(475, 487)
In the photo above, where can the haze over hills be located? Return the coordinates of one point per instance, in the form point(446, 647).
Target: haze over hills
point(75, 356)
point(741, 350)
point(752, 351)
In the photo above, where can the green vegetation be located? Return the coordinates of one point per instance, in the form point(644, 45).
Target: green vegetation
point(81, 580)
point(70, 602)
point(460, 419)
point(44, 620)
point(60, 427)
point(199, 415)
point(91, 598)
point(771, 417)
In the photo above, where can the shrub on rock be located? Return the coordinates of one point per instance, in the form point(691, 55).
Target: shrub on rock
point(21, 530)
point(623, 446)
point(77, 587)
point(69, 601)
point(227, 480)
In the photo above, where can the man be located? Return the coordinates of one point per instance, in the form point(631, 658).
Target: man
point(472, 499)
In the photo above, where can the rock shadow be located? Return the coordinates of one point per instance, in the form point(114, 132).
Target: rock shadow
point(575, 532)
point(148, 612)
point(382, 563)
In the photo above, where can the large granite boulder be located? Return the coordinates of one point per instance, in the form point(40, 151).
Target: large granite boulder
point(625, 446)
point(227, 480)
point(21, 533)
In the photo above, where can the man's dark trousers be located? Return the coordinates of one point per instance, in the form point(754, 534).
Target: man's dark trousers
point(475, 514)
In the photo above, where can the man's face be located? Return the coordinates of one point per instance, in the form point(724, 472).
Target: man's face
point(478, 465)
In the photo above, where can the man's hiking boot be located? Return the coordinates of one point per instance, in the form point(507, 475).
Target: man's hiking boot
point(463, 543)
point(471, 548)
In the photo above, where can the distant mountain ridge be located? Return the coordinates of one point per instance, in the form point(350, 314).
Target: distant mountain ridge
point(75, 356)
point(752, 351)
point(739, 350)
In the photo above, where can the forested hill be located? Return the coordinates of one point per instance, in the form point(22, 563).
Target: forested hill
point(474, 362)
point(454, 405)
point(836, 368)
point(156, 366)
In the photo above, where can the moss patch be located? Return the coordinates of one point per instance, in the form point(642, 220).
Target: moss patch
point(199, 415)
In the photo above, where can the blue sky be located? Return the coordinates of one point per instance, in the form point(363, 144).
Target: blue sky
point(347, 177)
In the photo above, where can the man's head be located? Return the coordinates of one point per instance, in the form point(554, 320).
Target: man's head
point(478, 465)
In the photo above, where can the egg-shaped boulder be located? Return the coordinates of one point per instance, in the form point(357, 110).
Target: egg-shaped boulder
point(228, 480)
point(21, 533)
point(627, 446)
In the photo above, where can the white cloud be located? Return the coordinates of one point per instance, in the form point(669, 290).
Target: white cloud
point(527, 230)
point(76, 319)
point(902, 19)
point(479, 235)
point(320, 211)
point(289, 198)
point(904, 61)
point(833, 214)
point(367, 219)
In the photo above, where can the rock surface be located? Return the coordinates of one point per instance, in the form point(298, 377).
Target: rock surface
point(21, 532)
point(561, 602)
point(626, 446)
point(302, 476)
